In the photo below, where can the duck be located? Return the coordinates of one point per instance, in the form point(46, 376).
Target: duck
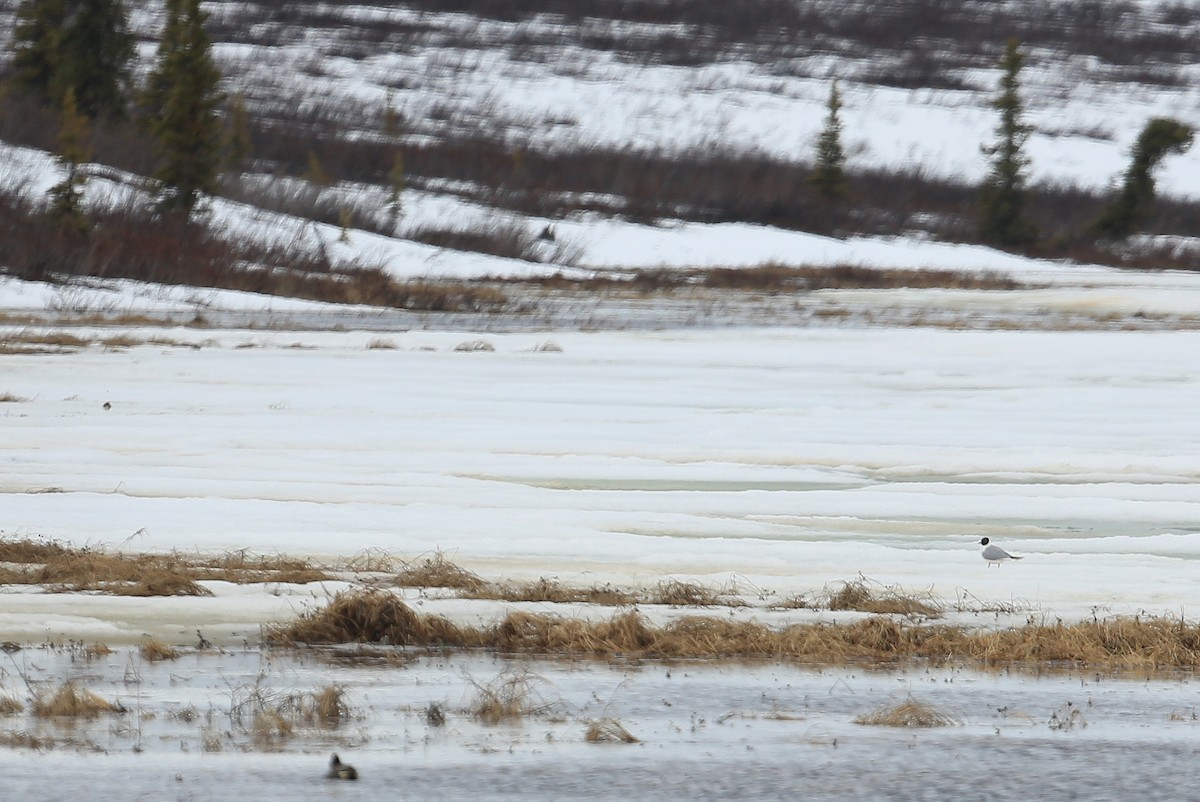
point(341, 771)
point(994, 554)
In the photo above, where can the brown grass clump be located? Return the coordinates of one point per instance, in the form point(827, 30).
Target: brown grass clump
point(369, 616)
point(25, 740)
point(678, 593)
point(861, 596)
point(437, 571)
point(28, 550)
point(10, 705)
point(242, 567)
point(1128, 641)
point(553, 591)
point(9, 398)
point(909, 713)
point(508, 697)
point(153, 650)
point(330, 707)
point(71, 702)
point(122, 575)
point(94, 651)
point(609, 731)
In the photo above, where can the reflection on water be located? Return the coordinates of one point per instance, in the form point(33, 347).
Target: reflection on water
point(707, 731)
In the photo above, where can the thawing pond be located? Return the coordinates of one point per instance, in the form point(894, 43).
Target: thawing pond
point(221, 725)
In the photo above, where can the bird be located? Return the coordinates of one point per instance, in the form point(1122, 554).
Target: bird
point(994, 554)
point(341, 771)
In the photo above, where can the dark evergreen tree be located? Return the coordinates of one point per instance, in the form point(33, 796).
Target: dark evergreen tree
point(184, 98)
point(1002, 198)
point(96, 50)
point(37, 45)
point(79, 45)
point(1160, 138)
point(828, 175)
point(65, 196)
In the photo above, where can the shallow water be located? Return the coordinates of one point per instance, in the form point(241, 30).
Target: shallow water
point(706, 730)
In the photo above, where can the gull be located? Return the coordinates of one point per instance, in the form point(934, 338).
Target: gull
point(341, 771)
point(994, 554)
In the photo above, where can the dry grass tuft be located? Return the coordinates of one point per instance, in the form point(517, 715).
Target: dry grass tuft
point(510, 696)
point(609, 731)
point(867, 597)
point(909, 713)
point(434, 715)
point(10, 705)
point(553, 591)
point(25, 740)
point(678, 593)
point(329, 706)
point(368, 616)
point(438, 571)
point(71, 702)
point(153, 650)
point(9, 398)
point(94, 651)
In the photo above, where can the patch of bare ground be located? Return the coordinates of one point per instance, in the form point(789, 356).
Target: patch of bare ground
point(375, 615)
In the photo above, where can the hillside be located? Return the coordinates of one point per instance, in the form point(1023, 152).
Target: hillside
point(532, 140)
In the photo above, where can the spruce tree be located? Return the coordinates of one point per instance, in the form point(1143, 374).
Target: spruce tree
point(37, 45)
point(183, 98)
point(1002, 198)
point(96, 50)
point(66, 196)
point(1161, 137)
point(828, 176)
point(80, 45)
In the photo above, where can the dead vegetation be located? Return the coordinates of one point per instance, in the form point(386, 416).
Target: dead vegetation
point(554, 591)
point(272, 717)
point(369, 616)
point(608, 731)
point(437, 571)
point(377, 616)
point(866, 596)
point(61, 568)
point(153, 650)
point(10, 705)
point(509, 697)
point(71, 702)
point(909, 713)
